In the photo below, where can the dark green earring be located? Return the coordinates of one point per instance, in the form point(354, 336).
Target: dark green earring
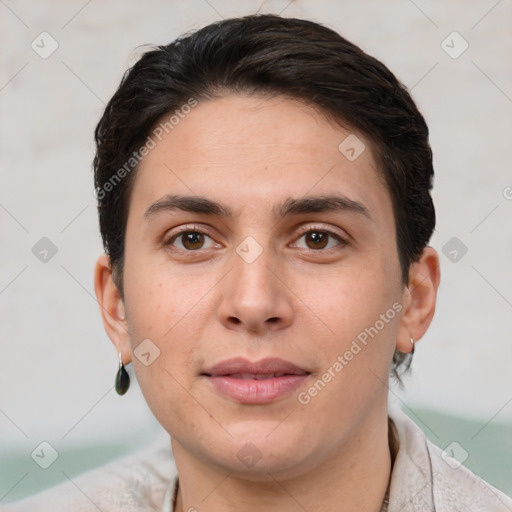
point(122, 378)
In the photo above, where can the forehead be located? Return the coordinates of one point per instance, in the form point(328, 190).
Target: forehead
point(248, 152)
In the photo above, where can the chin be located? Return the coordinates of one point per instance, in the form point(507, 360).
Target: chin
point(261, 459)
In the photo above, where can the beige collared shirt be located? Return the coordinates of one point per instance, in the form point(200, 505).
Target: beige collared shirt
point(422, 480)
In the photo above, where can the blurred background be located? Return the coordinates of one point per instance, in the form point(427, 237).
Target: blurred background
point(60, 64)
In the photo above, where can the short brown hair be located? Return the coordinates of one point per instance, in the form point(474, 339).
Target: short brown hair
point(268, 54)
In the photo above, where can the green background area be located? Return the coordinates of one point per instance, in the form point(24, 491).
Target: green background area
point(489, 446)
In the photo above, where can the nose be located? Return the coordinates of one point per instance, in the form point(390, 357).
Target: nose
point(255, 297)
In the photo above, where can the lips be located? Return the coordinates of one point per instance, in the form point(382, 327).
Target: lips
point(266, 367)
point(257, 376)
point(257, 382)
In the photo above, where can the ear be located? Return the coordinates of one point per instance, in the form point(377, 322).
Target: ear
point(112, 308)
point(419, 299)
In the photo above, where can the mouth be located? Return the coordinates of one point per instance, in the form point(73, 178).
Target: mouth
point(257, 382)
point(255, 376)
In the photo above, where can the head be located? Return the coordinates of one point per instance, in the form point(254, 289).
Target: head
point(264, 191)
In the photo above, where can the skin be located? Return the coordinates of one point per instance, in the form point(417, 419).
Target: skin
point(298, 300)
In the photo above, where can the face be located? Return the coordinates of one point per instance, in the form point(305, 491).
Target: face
point(272, 305)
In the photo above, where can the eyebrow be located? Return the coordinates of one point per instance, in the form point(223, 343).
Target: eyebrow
point(291, 206)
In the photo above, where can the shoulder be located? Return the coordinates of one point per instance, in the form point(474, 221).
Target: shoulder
point(425, 478)
point(137, 482)
point(455, 485)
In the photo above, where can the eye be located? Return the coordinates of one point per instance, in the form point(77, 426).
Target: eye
point(317, 239)
point(190, 240)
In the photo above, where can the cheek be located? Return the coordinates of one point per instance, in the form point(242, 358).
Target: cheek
point(167, 332)
point(359, 315)
point(169, 308)
point(348, 302)
point(161, 299)
point(360, 312)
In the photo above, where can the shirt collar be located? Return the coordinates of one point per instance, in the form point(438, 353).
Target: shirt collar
point(170, 496)
point(411, 483)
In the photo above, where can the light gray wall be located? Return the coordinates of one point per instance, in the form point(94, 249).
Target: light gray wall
point(56, 363)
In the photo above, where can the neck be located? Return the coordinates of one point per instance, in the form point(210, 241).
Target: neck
point(355, 476)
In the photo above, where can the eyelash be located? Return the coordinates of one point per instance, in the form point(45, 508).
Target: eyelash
point(342, 242)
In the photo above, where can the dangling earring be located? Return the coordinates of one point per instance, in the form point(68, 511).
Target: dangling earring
point(412, 343)
point(122, 378)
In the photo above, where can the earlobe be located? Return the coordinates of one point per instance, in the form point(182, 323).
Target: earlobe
point(419, 299)
point(111, 307)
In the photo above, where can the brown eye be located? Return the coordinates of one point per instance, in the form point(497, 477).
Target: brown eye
point(317, 239)
point(320, 240)
point(191, 240)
